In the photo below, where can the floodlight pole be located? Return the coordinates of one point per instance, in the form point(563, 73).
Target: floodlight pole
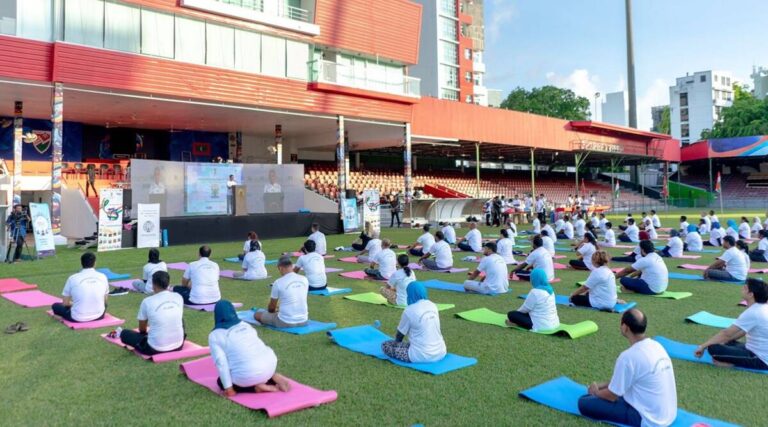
point(533, 174)
point(630, 67)
point(477, 168)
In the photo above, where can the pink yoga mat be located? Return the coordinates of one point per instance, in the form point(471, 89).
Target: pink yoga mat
point(209, 307)
point(13, 285)
point(302, 253)
point(684, 256)
point(359, 275)
point(478, 259)
point(743, 303)
point(333, 270)
point(559, 257)
point(351, 259)
point(229, 274)
point(559, 266)
point(453, 270)
point(31, 299)
point(107, 322)
point(617, 246)
point(124, 284)
point(203, 372)
point(178, 266)
point(189, 350)
point(704, 267)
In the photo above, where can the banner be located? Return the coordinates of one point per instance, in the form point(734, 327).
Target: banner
point(371, 212)
point(351, 219)
point(41, 226)
point(148, 232)
point(110, 219)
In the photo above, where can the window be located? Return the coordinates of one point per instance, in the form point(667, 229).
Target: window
point(8, 18)
point(703, 78)
point(122, 27)
point(449, 53)
point(447, 28)
point(190, 40)
point(685, 130)
point(157, 31)
point(468, 77)
point(685, 142)
point(469, 99)
point(247, 51)
point(35, 19)
point(448, 7)
point(467, 53)
point(449, 76)
point(684, 114)
point(84, 22)
point(273, 48)
point(450, 94)
point(684, 99)
point(219, 46)
point(715, 77)
point(464, 30)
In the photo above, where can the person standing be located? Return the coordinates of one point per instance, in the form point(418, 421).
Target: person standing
point(394, 209)
point(231, 184)
point(90, 182)
point(17, 225)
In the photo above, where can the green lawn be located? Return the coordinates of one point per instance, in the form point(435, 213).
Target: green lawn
point(54, 376)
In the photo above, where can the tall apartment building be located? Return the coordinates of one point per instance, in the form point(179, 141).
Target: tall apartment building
point(451, 51)
point(657, 115)
point(696, 101)
point(614, 109)
point(760, 82)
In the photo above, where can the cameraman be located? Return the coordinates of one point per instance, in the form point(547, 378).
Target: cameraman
point(17, 223)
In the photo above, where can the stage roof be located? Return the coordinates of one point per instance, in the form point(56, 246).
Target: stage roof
point(738, 147)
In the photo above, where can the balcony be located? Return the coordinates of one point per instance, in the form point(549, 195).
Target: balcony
point(275, 13)
point(333, 77)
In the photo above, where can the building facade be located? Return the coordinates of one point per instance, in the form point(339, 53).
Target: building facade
point(657, 116)
point(760, 82)
point(696, 102)
point(614, 109)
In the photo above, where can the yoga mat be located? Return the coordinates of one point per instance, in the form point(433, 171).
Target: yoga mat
point(203, 372)
point(31, 299)
point(378, 299)
point(707, 251)
point(563, 394)
point(329, 291)
point(209, 307)
point(107, 322)
point(367, 340)
point(684, 256)
point(189, 350)
point(564, 300)
point(233, 259)
point(559, 266)
point(333, 270)
point(488, 317)
point(704, 267)
point(478, 259)
point(708, 319)
point(311, 327)
point(451, 270)
point(297, 254)
point(672, 295)
point(683, 351)
point(742, 303)
point(270, 262)
point(515, 278)
point(229, 274)
point(112, 275)
point(683, 276)
point(177, 266)
point(13, 285)
point(359, 275)
point(447, 286)
point(124, 284)
point(352, 259)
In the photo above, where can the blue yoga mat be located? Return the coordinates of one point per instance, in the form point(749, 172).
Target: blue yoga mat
point(233, 259)
point(708, 319)
point(327, 292)
point(311, 327)
point(367, 340)
point(446, 286)
point(683, 351)
point(564, 300)
point(113, 276)
point(563, 395)
point(705, 251)
point(685, 276)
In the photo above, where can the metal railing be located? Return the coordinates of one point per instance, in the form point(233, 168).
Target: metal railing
point(283, 9)
point(344, 75)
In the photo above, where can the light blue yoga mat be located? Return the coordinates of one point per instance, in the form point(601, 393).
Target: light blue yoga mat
point(683, 351)
point(367, 340)
point(706, 251)
point(311, 327)
point(563, 395)
point(698, 278)
point(233, 259)
point(329, 291)
point(447, 286)
point(565, 300)
point(113, 276)
point(708, 319)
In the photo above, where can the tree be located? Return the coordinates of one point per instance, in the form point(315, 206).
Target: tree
point(746, 117)
point(548, 101)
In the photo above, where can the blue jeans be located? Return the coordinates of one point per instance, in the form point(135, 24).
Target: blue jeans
point(624, 238)
point(619, 412)
point(464, 246)
point(417, 252)
point(637, 285)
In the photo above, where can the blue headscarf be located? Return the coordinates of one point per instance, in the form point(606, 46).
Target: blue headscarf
point(692, 228)
point(416, 292)
point(715, 225)
point(539, 281)
point(732, 224)
point(224, 315)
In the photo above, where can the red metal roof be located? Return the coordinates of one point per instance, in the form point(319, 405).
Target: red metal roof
point(615, 130)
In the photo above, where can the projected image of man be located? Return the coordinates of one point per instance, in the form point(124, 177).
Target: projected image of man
point(273, 194)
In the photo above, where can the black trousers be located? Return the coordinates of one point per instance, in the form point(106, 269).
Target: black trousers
point(19, 246)
point(757, 256)
point(581, 300)
point(578, 264)
point(395, 214)
point(737, 354)
point(140, 342)
point(89, 185)
point(522, 320)
point(65, 312)
point(184, 292)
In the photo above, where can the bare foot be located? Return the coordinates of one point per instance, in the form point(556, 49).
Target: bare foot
point(265, 388)
point(722, 364)
point(625, 290)
point(620, 301)
point(282, 382)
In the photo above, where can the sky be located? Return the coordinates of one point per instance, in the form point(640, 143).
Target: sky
point(581, 44)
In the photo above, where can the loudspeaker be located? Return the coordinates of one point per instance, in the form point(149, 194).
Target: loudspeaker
point(351, 194)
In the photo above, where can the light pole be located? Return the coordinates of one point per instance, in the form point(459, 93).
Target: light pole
point(597, 97)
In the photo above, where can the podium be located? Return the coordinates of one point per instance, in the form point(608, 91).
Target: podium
point(239, 201)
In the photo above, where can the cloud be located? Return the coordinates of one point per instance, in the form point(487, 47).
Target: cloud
point(656, 94)
point(503, 12)
point(580, 81)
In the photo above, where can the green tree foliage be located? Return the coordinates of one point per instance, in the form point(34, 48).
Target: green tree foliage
point(548, 101)
point(746, 117)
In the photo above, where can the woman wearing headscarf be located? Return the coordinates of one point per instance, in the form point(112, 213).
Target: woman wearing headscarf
point(732, 230)
point(716, 235)
point(420, 322)
point(675, 246)
point(693, 240)
point(245, 364)
point(757, 226)
point(538, 312)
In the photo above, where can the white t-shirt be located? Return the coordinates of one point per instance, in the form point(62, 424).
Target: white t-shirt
point(763, 246)
point(541, 258)
point(400, 282)
point(421, 323)
point(578, 227)
point(443, 254)
point(426, 241)
point(586, 250)
point(714, 218)
point(231, 183)
point(254, 264)
point(704, 229)
point(559, 224)
point(540, 305)
point(313, 265)
point(756, 227)
point(291, 291)
point(602, 223)
point(610, 237)
point(373, 247)
point(644, 377)
point(653, 271)
point(744, 231)
point(386, 261)
point(204, 275)
point(272, 188)
point(694, 242)
point(536, 226)
point(548, 244)
point(568, 230)
point(496, 273)
point(754, 321)
point(684, 226)
point(241, 357)
point(163, 313)
point(651, 231)
point(602, 288)
point(475, 240)
point(504, 249)
point(550, 232)
point(707, 220)
point(735, 263)
point(595, 222)
point(319, 239)
point(731, 232)
point(512, 233)
point(633, 233)
point(87, 290)
point(656, 221)
point(147, 272)
point(714, 235)
point(675, 247)
point(449, 233)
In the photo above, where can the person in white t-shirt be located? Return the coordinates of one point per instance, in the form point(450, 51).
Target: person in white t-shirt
point(683, 229)
point(383, 265)
point(538, 258)
point(536, 223)
point(550, 231)
point(473, 240)
point(538, 312)
point(200, 282)
point(442, 253)
point(565, 231)
point(511, 232)
point(713, 217)
point(153, 264)
point(595, 221)
point(161, 328)
point(761, 253)
point(744, 231)
point(732, 229)
point(704, 227)
point(579, 227)
point(496, 280)
point(423, 243)
point(395, 291)
point(693, 240)
point(290, 290)
point(244, 363)
point(731, 266)
point(599, 290)
point(756, 227)
point(653, 274)
point(254, 264)
point(601, 223)
point(655, 220)
point(85, 293)
point(631, 234)
point(448, 232)
point(626, 221)
point(420, 322)
point(642, 390)
point(313, 265)
point(319, 238)
point(504, 247)
point(650, 229)
point(609, 239)
point(547, 242)
point(724, 347)
point(586, 248)
point(674, 246)
point(716, 234)
point(251, 237)
point(372, 248)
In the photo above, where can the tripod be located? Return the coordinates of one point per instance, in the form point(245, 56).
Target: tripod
point(17, 224)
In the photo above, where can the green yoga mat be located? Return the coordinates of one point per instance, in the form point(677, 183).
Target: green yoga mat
point(665, 294)
point(488, 317)
point(374, 298)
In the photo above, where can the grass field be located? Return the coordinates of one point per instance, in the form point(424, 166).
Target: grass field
point(54, 376)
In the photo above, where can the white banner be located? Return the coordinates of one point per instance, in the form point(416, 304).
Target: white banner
point(148, 231)
point(110, 219)
point(41, 226)
point(371, 212)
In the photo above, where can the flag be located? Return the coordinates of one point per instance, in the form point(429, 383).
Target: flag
point(717, 183)
point(616, 190)
point(583, 187)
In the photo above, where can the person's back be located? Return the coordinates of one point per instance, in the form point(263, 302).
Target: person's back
point(541, 306)
point(449, 233)
point(386, 261)
point(548, 244)
point(147, 272)
point(496, 274)
point(164, 312)
point(676, 246)
point(319, 238)
point(475, 240)
point(443, 254)
point(247, 358)
point(291, 291)
point(694, 242)
point(421, 323)
point(400, 281)
point(602, 288)
point(578, 227)
point(373, 247)
point(504, 247)
point(313, 265)
point(541, 258)
point(610, 237)
point(633, 233)
point(653, 271)
point(204, 276)
point(87, 289)
point(255, 265)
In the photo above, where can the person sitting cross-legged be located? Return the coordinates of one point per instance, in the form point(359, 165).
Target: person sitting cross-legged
point(609, 238)
point(631, 234)
point(538, 258)
point(716, 235)
point(442, 253)
point(653, 274)
point(313, 265)
point(420, 322)
point(642, 391)
point(635, 254)
point(731, 266)
point(85, 293)
point(318, 237)
point(761, 253)
point(496, 280)
point(599, 290)
point(290, 290)
point(693, 240)
point(586, 248)
point(372, 248)
point(383, 265)
point(538, 312)
point(473, 240)
point(254, 264)
point(395, 291)
point(423, 243)
point(153, 265)
point(674, 248)
point(200, 282)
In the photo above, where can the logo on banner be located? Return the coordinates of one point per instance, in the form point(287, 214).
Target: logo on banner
point(41, 226)
point(148, 226)
point(40, 140)
point(112, 213)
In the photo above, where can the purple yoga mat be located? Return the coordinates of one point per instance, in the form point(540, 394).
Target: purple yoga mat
point(178, 266)
point(13, 285)
point(203, 372)
point(359, 275)
point(333, 270)
point(558, 266)
point(352, 259)
point(190, 349)
point(302, 253)
point(704, 267)
point(31, 299)
point(124, 284)
point(229, 274)
point(107, 322)
point(415, 266)
point(209, 307)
